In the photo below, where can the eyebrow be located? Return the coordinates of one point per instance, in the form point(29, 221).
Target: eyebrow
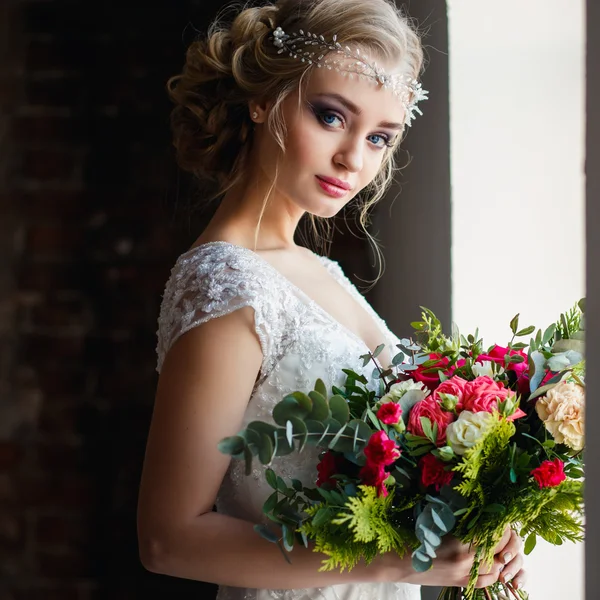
point(356, 110)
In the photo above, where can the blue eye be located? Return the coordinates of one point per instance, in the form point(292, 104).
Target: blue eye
point(329, 119)
point(379, 140)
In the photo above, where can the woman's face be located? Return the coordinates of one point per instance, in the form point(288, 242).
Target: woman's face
point(338, 132)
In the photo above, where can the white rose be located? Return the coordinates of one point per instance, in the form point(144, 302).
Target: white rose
point(563, 414)
point(467, 430)
point(485, 368)
point(397, 390)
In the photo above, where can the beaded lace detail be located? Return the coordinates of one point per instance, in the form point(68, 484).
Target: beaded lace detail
point(300, 342)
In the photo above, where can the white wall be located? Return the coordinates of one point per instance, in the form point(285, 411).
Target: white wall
point(517, 128)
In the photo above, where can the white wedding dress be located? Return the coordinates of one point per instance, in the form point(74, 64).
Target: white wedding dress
point(300, 342)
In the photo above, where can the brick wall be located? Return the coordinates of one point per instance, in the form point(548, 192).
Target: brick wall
point(88, 234)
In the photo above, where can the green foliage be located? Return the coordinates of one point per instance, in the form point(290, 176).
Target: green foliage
point(484, 460)
point(361, 530)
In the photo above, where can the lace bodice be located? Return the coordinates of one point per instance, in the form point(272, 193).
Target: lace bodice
point(300, 342)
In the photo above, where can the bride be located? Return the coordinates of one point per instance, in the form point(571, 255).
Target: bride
point(294, 109)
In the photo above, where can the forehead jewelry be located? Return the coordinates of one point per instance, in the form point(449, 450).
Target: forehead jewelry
point(314, 49)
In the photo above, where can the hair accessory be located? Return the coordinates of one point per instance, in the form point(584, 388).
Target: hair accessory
point(300, 45)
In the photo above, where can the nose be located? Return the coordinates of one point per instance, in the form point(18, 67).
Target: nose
point(350, 155)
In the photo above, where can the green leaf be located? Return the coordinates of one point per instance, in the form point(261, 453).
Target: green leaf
point(297, 485)
point(282, 447)
point(261, 427)
point(537, 362)
point(495, 508)
point(271, 478)
point(265, 451)
point(427, 429)
point(289, 432)
point(378, 350)
point(288, 537)
point(530, 543)
point(234, 444)
point(356, 376)
point(320, 388)
point(516, 359)
point(315, 430)
point(549, 334)
point(300, 429)
point(513, 475)
point(526, 331)
point(320, 409)
point(514, 324)
point(321, 517)
point(336, 438)
point(270, 502)
point(339, 409)
point(398, 359)
point(290, 407)
point(266, 533)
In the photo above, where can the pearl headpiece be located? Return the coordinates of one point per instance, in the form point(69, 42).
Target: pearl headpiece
point(314, 49)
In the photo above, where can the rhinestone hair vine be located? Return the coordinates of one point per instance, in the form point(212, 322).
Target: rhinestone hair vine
point(314, 49)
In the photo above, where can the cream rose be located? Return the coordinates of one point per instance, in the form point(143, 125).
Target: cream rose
point(397, 390)
point(562, 411)
point(467, 430)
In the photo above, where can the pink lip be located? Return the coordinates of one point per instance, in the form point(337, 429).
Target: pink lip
point(333, 189)
point(335, 181)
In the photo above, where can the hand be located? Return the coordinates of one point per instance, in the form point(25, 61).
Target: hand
point(508, 558)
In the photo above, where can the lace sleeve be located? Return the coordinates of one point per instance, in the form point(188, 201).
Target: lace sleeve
point(205, 286)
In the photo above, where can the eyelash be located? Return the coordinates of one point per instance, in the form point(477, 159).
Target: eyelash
point(320, 114)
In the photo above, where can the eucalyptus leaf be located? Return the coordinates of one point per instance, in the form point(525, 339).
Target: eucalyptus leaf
point(265, 451)
point(266, 533)
point(234, 444)
point(261, 427)
point(300, 430)
point(320, 409)
point(408, 400)
point(288, 537)
point(320, 388)
point(289, 407)
point(421, 562)
point(315, 430)
point(378, 350)
point(339, 409)
point(283, 446)
point(537, 363)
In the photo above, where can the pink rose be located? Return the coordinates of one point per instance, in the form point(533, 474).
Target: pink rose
point(521, 370)
point(550, 473)
point(455, 386)
point(380, 450)
point(431, 409)
point(374, 475)
point(430, 377)
point(483, 394)
point(390, 413)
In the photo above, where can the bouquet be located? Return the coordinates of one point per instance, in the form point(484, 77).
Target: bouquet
point(452, 438)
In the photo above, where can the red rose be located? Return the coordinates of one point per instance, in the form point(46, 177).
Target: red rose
point(431, 409)
point(455, 386)
point(497, 354)
point(431, 378)
point(389, 413)
point(374, 475)
point(381, 450)
point(483, 394)
point(550, 473)
point(433, 472)
point(327, 467)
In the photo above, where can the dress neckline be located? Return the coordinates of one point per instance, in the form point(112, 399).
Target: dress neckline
point(298, 291)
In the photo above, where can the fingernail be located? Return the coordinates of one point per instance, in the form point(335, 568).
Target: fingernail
point(507, 556)
point(507, 577)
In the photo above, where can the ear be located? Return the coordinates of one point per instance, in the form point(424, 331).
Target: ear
point(259, 110)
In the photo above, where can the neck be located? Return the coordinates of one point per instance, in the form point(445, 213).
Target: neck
point(241, 211)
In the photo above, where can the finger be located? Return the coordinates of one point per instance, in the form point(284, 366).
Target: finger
point(495, 567)
point(512, 568)
point(520, 579)
point(506, 538)
point(512, 548)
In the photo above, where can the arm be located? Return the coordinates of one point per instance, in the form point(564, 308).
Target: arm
point(198, 402)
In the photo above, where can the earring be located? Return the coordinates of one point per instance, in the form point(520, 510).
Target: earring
point(255, 115)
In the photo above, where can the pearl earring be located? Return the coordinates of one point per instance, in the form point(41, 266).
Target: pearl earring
point(255, 115)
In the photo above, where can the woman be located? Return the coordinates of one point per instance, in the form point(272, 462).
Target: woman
point(292, 110)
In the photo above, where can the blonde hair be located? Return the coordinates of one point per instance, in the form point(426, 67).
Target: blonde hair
point(235, 63)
